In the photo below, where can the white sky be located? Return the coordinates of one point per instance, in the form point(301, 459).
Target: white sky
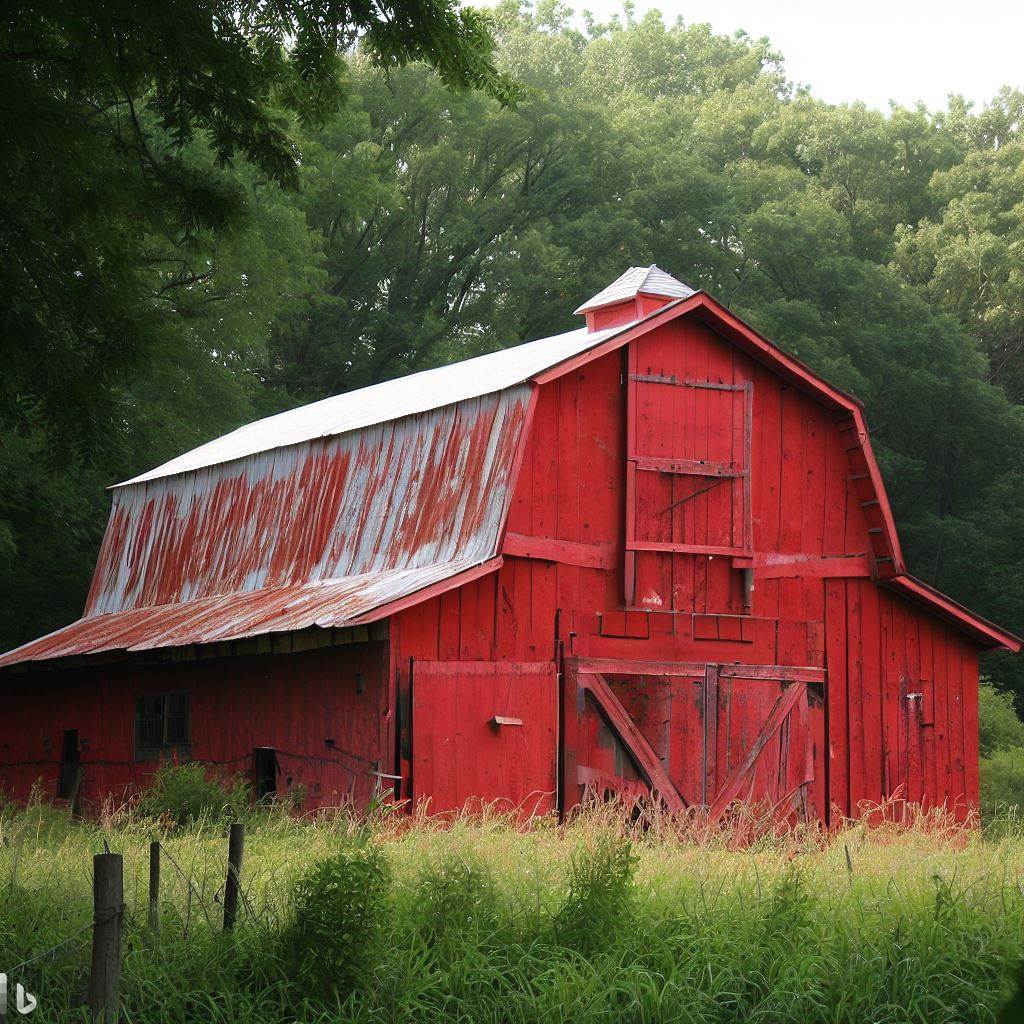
point(874, 51)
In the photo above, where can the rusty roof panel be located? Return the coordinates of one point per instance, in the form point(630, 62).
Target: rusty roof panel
point(319, 533)
point(327, 603)
point(421, 491)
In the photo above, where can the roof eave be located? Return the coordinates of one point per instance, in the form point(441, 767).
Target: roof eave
point(988, 635)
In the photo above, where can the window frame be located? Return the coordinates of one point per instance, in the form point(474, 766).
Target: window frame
point(175, 729)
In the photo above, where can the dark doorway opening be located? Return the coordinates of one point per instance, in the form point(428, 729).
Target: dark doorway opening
point(264, 772)
point(70, 766)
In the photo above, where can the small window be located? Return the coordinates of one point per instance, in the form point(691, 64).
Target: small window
point(161, 727)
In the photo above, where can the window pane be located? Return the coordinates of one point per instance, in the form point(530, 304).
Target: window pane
point(161, 725)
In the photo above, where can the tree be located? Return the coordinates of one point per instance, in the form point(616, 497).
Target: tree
point(148, 245)
point(826, 227)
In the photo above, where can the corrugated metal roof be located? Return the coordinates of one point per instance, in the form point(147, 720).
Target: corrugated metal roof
point(404, 396)
point(318, 533)
point(650, 280)
point(424, 490)
point(326, 603)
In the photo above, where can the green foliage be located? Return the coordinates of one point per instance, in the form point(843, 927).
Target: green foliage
point(160, 288)
point(184, 794)
point(1001, 746)
point(455, 904)
point(921, 929)
point(148, 246)
point(463, 226)
point(999, 727)
point(340, 917)
point(601, 897)
point(1002, 783)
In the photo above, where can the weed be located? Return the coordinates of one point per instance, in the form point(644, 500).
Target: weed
point(335, 938)
point(183, 794)
point(496, 919)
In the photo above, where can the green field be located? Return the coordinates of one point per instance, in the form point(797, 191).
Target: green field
point(484, 921)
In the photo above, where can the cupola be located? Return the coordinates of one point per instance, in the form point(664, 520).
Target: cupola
point(639, 291)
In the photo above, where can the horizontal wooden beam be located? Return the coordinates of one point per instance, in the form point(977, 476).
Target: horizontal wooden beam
point(587, 776)
point(682, 549)
point(484, 668)
point(568, 552)
point(696, 669)
point(710, 385)
point(818, 568)
point(686, 467)
point(774, 673)
point(633, 667)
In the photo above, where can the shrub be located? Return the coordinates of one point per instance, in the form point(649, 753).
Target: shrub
point(600, 901)
point(1002, 781)
point(456, 905)
point(999, 728)
point(336, 936)
point(185, 793)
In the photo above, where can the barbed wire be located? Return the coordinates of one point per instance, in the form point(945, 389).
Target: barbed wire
point(188, 881)
point(74, 937)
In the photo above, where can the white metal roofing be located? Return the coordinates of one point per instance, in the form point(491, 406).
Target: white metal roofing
point(430, 489)
point(650, 280)
point(404, 396)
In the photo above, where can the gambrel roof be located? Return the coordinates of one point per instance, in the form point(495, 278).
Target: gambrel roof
point(342, 511)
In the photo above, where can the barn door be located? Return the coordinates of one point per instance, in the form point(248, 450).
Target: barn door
point(696, 734)
point(485, 732)
point(688, 466)
point(763, 740)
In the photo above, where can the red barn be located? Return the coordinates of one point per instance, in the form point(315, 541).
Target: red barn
point(653, 553)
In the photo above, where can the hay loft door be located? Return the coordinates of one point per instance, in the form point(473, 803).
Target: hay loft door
point(688, 454)
point(485, 732)
point(696, 735)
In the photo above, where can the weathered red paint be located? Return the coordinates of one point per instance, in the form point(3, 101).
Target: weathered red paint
point(668, 563)
point(485, 732)
point(237, 704)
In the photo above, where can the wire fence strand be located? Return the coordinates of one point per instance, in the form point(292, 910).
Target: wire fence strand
point(73, 937)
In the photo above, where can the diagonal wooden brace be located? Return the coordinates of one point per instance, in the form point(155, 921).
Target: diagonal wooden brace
point(620, 722)
point(731, 787)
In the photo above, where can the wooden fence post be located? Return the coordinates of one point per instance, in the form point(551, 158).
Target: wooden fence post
point(108, 910)
point(236, 844)
point(154, 886)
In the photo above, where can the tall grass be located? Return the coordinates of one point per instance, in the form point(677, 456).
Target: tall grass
point(487, 919)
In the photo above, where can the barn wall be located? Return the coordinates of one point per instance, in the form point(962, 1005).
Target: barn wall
point(801, 500)
point(886, 743)
point(804, 515)
point(293, 702)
